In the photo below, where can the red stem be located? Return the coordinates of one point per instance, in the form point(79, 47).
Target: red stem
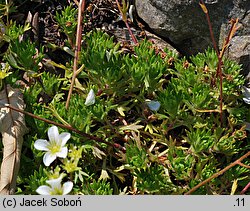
point(219, 71)
point(218, 173)
point(131, 33)
point(245, 188)
point(81, 8)
point(124, 18)
point(90, 137)
point(211, 31)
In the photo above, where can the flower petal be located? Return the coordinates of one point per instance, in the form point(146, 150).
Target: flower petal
point(246, 100)
point(41, 144)
point(246, 91)
point(67, 187)
point(63, 153)
point(153, 105)
point(53, 133)
point(43, 190)
point(64, 137)
point(55, 183)
point(90, 100)
point(48, 158)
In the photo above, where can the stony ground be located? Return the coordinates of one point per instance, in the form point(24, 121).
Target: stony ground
point(101, 14)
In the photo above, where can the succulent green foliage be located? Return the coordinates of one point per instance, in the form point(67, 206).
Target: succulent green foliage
point(36, 179)
point(154, 180)
point(15, 31)
point(136, 158)
point(67, 20)
point(6, 8)
point(182, 164)
point(4, 73)
point(93, 187)
point(10, 34)
point(145, 68)
point(24, 56)
point(172, 100)
point(200, 140)
point(103, 62)
point(168, 151)
point(51, 83)
point(107, 67)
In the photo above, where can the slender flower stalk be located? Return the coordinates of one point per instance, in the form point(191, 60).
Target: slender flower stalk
point(68, 127)
point(81, 8)
point(220, 54)
point(123, 10)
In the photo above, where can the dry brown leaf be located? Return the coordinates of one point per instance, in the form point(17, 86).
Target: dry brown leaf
point(12, 127)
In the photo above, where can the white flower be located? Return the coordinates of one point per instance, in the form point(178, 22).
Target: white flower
point(246, 93)
point(55, 147)
point(153, 105)
point(90, 100)
point(55, 187)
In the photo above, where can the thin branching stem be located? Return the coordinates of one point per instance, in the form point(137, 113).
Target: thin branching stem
point(221, 53)
point(229, 37)
point(220, 62)
point(244, 165)
point(218, 173)
point(221, 89)
point(81, 8)
point(219, 71)
point(245, 188)
point(202, 4)
point(131, 33)
point(125, 20)
point(68, 127)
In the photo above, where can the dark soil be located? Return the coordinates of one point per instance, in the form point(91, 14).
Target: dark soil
point(99, 14)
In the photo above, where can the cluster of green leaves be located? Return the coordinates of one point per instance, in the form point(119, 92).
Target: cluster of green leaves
point(67, 20)
point(6, 7)
point(186, 128)
point(19, 53)
point(168, 151)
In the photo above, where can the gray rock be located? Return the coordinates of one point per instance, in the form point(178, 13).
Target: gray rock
point(239, 51)
point(184, 24)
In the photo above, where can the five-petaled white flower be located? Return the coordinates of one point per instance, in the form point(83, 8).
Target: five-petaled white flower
point(55, 187)
point(55, 147)
point(90, 100)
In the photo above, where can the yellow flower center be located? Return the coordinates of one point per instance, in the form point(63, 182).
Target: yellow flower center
point(54, 147)
point(56, 191)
